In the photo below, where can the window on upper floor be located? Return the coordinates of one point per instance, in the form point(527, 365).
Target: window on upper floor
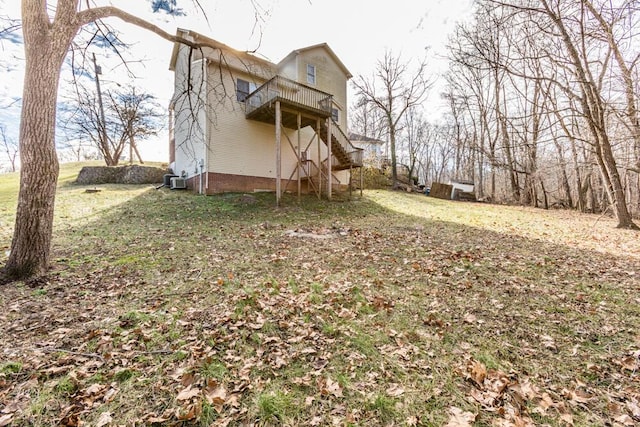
point(243, 89)
point(311, 74)
point(335, 114)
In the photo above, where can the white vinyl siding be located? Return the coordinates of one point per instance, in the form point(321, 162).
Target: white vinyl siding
point(246, 147)
point(189, 128)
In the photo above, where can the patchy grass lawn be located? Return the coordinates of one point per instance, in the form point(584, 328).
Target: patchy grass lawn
point(165, 308)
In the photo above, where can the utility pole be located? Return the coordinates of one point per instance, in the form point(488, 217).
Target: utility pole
point(103, 126)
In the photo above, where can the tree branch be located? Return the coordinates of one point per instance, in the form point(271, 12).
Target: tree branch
point(95, 14)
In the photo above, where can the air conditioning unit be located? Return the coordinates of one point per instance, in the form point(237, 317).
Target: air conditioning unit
point(178, 183)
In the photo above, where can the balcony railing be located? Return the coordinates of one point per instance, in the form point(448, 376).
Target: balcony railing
point(354, 153)
point(290, 92)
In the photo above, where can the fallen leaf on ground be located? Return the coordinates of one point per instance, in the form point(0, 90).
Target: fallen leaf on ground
point(469, 318)
point(188, 393)
point(105, 419)
point(477, 371)
point(625, 420)
point(216, 395)
point(331, 387)
point(460, 418)
point(567, 418)
point(5, 420)
point(395, 390)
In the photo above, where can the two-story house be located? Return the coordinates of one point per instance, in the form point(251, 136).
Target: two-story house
point(242, 123)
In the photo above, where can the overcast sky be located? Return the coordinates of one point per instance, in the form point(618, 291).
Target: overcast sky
point(359, 31)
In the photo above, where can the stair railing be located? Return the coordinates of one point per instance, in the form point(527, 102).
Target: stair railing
point(354, 153)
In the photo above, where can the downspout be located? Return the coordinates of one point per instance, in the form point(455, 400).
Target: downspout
point(329, 158)
point(172, 137)
point(207, 130)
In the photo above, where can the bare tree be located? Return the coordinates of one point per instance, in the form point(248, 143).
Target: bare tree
point(49, 29)
point(475, 77)
point(366, 119)
point(464, 134)
point(426, 158)
point(126, 116)
point(394, 89)
point(10, 147)
point(467, 94)
point(591, 100)
point(414, 138)
point(444, 153)
point(616, 25)
point(552, 78)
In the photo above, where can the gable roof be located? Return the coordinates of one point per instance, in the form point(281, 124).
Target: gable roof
point(208, 42)
point(244, 55)
point(324, 46)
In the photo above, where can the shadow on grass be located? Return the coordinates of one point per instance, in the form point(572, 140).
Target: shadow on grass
point(379, 298)
point(173, 238)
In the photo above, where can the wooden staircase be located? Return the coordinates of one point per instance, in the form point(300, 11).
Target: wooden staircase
point(316, 177)
point(345, 154)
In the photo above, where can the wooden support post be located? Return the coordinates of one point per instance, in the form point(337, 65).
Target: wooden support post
point(329, 158)
point(319, 160)
point(350, 180)
point(278, 153)
point(361, 181)
point(299, 156)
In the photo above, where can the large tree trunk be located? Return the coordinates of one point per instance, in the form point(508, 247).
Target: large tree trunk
point(394, 162)
point(582, 184)
point(46, 42)
point(39, 172)
point(45, 48)
point(564, 178)
point(506, 144)
point(480, 190)
point(615, 188)
point(544, 193)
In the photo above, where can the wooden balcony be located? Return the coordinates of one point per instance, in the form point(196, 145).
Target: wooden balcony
point(298, 100)
point(294, 98)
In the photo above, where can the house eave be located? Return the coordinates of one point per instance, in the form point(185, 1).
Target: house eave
point(365, 139)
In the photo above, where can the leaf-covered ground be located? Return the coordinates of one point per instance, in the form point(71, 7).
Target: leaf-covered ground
point(165, 308)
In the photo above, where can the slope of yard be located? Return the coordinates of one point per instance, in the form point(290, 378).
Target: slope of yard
point(165, 308)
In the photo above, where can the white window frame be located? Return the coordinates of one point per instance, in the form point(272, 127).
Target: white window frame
point(311, 74)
